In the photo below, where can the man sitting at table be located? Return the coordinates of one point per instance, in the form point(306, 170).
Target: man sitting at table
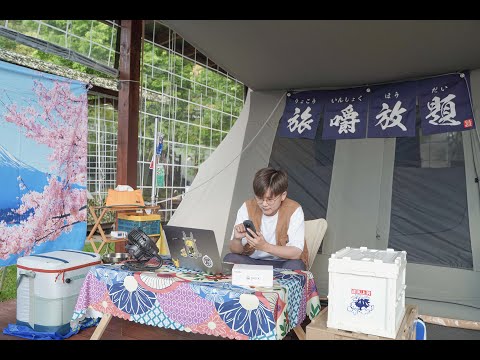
point(280, 225)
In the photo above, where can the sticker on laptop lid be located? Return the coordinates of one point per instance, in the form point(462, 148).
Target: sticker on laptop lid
point(207, 261)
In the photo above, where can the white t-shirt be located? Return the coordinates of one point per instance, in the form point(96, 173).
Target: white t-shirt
point(296, 231)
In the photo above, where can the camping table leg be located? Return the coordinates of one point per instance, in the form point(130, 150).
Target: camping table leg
point(300, 333)
point(95, 225)
point(102, 325)
point(99, 226)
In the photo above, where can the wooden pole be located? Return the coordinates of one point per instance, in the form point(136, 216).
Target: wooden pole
point(128, 102)
point(128, 105)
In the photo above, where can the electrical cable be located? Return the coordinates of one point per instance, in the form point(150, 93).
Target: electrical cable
point(241, 152)
point(294, 92)
point(143, 265)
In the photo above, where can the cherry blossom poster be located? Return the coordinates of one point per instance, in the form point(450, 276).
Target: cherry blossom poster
point(43, 163)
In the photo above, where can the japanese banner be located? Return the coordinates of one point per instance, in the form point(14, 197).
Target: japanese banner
point(445, 104)
point(345, 114)
point(301, 115)
point(392, 110)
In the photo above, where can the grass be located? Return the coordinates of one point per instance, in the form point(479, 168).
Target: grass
point(9, 285)
point(8, 290)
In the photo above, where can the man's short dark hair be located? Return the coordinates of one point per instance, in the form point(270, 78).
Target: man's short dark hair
point(276, 180)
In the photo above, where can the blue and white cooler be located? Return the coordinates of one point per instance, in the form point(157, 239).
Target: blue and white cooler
point(48, 285)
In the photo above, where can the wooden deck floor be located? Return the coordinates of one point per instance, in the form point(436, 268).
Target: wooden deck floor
point(118, 329)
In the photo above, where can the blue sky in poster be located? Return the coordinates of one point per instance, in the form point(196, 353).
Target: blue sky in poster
point(24, 163)
point(17, 82)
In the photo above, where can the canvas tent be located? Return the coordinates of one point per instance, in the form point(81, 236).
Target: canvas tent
point(369, 190)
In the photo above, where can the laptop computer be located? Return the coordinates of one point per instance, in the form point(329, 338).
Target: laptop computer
point(195, 249)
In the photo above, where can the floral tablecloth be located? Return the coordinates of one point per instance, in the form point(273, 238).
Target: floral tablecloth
point(176, 298)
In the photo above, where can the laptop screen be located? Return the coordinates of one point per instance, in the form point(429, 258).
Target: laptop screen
point(193, 249)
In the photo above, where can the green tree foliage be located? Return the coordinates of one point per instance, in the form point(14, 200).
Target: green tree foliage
point(78, 39)
point(196, 105)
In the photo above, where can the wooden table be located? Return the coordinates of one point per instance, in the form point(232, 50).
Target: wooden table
point(318, 330)
point(102, 210)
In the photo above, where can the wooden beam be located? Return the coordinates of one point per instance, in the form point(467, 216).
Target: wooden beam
point(128, 102)
point(128, 105)
point(462, 324)
point(102, 90)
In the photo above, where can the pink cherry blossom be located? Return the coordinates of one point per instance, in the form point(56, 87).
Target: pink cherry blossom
point(58, 120)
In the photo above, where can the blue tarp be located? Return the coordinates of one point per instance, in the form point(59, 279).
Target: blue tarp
point(28, 333)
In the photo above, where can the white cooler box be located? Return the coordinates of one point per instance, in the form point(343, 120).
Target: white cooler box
point(48, 285)
point(366, 290)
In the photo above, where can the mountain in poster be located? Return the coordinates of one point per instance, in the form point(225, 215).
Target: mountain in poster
point(17, 179)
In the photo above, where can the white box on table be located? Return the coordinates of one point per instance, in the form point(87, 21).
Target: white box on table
point(48, 285)
point(366, 290)
point(252, 275)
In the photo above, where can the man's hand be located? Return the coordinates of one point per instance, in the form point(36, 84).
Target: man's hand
point(257, 241)
point(239, 231)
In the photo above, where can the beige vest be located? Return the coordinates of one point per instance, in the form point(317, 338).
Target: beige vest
point(285, 211)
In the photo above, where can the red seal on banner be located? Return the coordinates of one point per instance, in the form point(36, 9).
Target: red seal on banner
point(467, 123)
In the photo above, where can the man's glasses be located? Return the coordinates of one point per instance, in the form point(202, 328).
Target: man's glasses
point(269, 201)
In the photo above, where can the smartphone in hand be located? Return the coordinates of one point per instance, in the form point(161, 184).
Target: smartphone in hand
point(249, 225)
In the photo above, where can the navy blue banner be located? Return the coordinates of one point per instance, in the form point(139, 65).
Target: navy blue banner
point(301, 115)
point(392, 110)
point(445, 104)
point(345, 114)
